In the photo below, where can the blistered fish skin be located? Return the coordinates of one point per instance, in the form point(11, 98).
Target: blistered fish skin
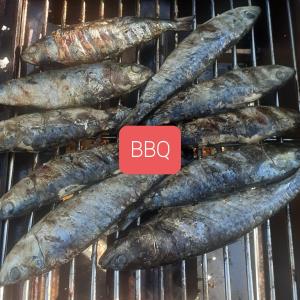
point(98, 40)
point(234, 89)
point(33, 132)
point(84, 85)
point(192, 56)
point(180, 233)
point(223, 173)
point(247, 125)
point(58, 178)
point(73, 226)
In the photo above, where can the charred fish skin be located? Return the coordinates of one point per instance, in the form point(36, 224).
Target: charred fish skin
point(73, 226)
point(247, 125)
point(99, 40)
point(192, 56)
point(33, 132)
point(179, 233)
point(234, 89)
point(223, 173)
point(84, 85)
point(58, 178)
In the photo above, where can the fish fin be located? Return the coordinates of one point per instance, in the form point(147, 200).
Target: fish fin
point(184, 24)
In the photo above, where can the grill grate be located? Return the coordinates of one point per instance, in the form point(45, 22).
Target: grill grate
point(259, 265)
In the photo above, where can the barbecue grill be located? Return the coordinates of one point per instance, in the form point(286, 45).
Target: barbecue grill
point(264, 264)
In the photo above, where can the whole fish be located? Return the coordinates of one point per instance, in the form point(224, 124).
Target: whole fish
point(57, 128)
point(246, 125)
point(58, 178)
point(192, 56)
point(179, 233)
point(232, 90)
point(84, 85)
point(220, 174)
point(73, 226)
point(99, 40)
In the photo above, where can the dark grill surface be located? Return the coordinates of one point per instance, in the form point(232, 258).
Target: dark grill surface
point(264, 264)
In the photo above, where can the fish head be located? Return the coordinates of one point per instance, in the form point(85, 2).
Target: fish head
point(278, 75)
point(42, 52)
point(129, 77)
point(23, 261)
point(241, 19)
point(19, 200)
point(130, 252)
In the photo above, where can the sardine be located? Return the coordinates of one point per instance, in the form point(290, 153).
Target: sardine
point(84, 85)
point(192, 56)
point(234, 89)
point(180, 233)
point(246, 125)
point(73, 226)
point(99, 40)
point(58, 178)
point(223, 173)
point(38, 131)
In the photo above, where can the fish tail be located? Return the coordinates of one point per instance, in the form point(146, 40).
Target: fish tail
point(184, 24)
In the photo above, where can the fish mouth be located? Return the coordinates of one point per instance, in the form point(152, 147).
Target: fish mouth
point(6, 210)
point(252, 12)
point(27, 55)
point(109, 260)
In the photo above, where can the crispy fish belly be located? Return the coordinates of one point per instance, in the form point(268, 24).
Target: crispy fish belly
point(84, 85)
point(223, 173)
point(73, 226)
point(38, 131)
point(98, 40)
point(247, 125)
point(234, 89)
point(193, 56)
point(179, 233)
point(58, 178)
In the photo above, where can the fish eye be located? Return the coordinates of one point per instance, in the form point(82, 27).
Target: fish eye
point(7, 208)
point(249, 14)
point(135, 69)
point(121, 260)
point(15, 273)
point(31, 49)
point(280, 75)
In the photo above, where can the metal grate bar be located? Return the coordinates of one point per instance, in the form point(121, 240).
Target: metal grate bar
point(255, 231)
point(82, 11)
point(22, 6)
point(138, 273)
point(101, 9)
point(289, 224)
point(117, 280)
point(94, 272)
point(227, 273)
point(227, 282)
point(205, 277)
point(64, 13)
point(25, 292)
point(272, 54)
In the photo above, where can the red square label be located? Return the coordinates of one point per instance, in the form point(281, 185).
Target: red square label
point(150, 150)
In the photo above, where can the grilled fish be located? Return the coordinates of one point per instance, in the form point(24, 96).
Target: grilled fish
point(192, 56)
point(99, 40)
point(247, 125)
point(73, 226)
point(37, 131)
point(232, 90)
point(179, 233)
point(220, 174)
point(84, 85)
point(58, 178)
